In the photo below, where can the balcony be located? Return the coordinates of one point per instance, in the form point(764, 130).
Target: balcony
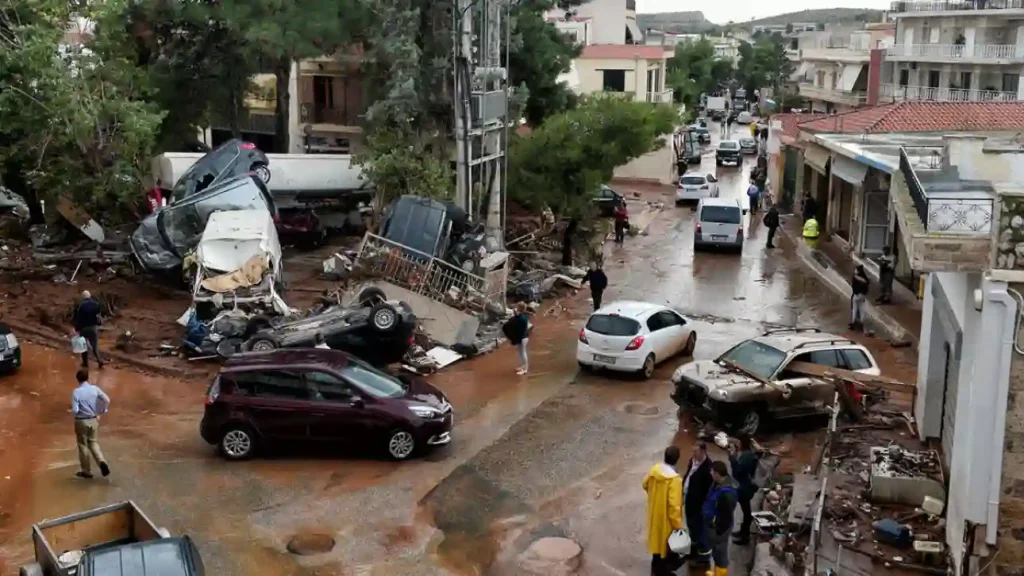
point(979, 53)
point(663, 97)
point(895, 93)
point(838, 54)
point(923, 7)
point(312, 113)
point(835, 96)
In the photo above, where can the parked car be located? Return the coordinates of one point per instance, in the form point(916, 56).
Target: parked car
point(719, 224)
point(741, 388)
point(748, 146)
point(745, 118)
point(371, 327)
point(606, 201)
point(728, 153)
point(162, 239)
point(10, 350)
point(230, 160)
point(633, 337)
point(718, 114)
point(694, 186)
point(702, 133)
point(312, 395)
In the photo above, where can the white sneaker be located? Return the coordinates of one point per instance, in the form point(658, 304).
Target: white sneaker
point(520, 371)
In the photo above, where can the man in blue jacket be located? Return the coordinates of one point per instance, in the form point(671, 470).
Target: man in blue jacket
point(744, 468)
point(86, 321)
point(717, 511)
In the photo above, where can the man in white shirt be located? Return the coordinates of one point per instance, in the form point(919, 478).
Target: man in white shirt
point(88, 402)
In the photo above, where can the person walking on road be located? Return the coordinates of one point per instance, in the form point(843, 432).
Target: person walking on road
point(598, 282)
point(664, 488)
point(718, 511)
point(88, 402)
point(621, 215)
point(696, 487)
point(728, 123)
point(771, 221)
point(753, 196)
point(810, 207)
point(859, 286)
point(744, 468)
point(886, 275)
point(517, 330)
point(86, 321)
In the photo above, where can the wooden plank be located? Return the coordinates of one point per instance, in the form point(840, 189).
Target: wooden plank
point(90, 531)
point(865, 380)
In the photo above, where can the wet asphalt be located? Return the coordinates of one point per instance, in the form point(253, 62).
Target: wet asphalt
point(554, 453)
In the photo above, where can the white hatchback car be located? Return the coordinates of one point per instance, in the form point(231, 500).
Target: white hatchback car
point(630, 336)
point(694, 186)
point(745, 118)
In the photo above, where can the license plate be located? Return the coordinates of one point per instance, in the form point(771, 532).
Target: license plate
point(604, 359)
point(718, 237)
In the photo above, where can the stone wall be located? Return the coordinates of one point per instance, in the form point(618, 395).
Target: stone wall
point(1010, 560)
point(1009, 253)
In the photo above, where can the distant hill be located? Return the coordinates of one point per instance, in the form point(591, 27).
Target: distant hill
point(692, 22)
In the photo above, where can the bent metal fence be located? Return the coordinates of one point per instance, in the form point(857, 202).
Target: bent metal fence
point(436, 279)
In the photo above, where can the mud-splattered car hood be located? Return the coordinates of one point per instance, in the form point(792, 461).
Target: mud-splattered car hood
point(719, 381)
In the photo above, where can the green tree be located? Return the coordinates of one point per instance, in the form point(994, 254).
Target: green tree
point(763, 63)
point(694, 69)
point(538, 54)
point(73, 122)
point(563, 162)
point(285, 31)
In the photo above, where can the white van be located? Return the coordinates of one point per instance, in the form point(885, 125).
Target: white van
point(719, 224)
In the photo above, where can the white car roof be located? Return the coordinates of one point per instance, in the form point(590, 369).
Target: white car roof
point(698, 174)
point(727, 202)
point(630, 309)
point(789, 340)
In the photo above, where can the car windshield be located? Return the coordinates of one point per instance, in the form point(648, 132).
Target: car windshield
point(728, 145)
point(373, 381)
point(205, 171)
point(720, 214)
point(747, 141)
point(759, 359)
point(611, 325)
point(692, 180)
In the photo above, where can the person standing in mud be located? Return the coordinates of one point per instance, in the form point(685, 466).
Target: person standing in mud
point(517, 330)
point(598, 282)
point(621, 215)
point(744, 468)
point(86, 321)
point(696, 487)
point(859, 286)
point(88, 402)
point(718, 511)
point(664, 488)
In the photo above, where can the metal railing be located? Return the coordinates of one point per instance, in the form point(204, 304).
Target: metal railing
point(429, 276)
point(914, 187)
point(968, 214)
point(345, 116)
point(852, 97)
point(955, 51)
point(898, 93)
point(954, 5)
point(664, 97)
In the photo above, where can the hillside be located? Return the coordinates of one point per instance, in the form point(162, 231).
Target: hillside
point(694, 21)
point(675, 22)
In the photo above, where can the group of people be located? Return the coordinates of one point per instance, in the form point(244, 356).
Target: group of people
point(705, 498)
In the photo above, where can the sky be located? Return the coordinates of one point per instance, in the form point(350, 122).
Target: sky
point(721, 11)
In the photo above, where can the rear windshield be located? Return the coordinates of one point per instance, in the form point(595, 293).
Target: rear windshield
point(720, 214)
point(728, 145)
point(608, 325)
point(692, 180)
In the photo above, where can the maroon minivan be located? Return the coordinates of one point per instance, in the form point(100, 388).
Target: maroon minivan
point(311, 395)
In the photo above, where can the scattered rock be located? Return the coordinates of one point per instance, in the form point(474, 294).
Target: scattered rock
point(551, 557)
point(310, 544)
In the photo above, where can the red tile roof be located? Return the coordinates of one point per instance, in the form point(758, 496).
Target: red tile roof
point(624, 52)
point(791, 121)
point(925, 117)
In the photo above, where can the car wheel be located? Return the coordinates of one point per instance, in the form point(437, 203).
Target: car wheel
point(255, 324)
point(691, 344)
point(648, 368)
point(262, 172)
point(401, 444)
point(33, 569)
point(384, 318)
point(750, 423)
point(262, 344)
point(238, 443)
point(371, 296)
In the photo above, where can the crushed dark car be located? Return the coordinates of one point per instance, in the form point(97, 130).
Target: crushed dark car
point(607, 200)
point(230, 160)
point(378, 330)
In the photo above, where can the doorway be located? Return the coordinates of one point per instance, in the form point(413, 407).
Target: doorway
point(876, 222)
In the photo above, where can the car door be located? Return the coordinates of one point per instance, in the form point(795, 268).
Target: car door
point(858, 360)
point(671, 332)
point(657, 337)
point(278, 404)
point(337, 408)
point(680, 330)
point(812, 395)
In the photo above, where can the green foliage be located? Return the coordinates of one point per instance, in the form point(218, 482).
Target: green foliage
point(397, 166)
point(694, 70)
point(562, 163)
point(763, 63)
point(538, 54)
point(74, 121)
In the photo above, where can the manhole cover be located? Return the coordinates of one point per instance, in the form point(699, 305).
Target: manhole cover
point(310, 544)
point(640, 409)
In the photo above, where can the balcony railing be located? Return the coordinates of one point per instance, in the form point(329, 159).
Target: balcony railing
point(849, 98)
point(893, 92)
point(954, 5)
point(956, 51)
point(914, 186)
point(345, 116)
point(663, 97)
point(948, 214)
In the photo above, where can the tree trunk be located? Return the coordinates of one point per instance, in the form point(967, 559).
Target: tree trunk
point(282, 73)
point(233, 120)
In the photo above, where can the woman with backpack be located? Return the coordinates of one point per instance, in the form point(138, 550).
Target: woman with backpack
point(517, 330)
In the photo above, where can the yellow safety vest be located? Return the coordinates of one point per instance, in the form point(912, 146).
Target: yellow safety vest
point(811, 228)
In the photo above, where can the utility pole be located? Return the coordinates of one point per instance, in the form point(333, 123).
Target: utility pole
point(481, 110)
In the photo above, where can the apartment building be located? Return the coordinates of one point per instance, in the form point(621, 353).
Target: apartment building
point(839, 70)
point(960, 50)
point(609, 21)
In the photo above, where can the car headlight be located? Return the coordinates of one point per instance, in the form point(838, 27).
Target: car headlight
point(12, 341)
point(722, 394)
point(426, 412)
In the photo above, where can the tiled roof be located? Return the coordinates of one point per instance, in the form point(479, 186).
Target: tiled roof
point(925, 117)
point(624, 52)
point(792, 120)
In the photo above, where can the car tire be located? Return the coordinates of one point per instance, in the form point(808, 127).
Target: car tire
point(401, 444)
point(384, 318)
point(262, 171)
point(262, 343)
point(256, 324)
point(371, 296)
point(648, 368)
point(237, 443)
point(33, 569)
point(751, 423)
point(691, 344)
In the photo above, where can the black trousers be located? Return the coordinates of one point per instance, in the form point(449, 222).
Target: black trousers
point(665, 566)
point(771, 235)
point(620, 232)
point(91, 336)
point(596, 295)
point(744, 497)
point(887, 278)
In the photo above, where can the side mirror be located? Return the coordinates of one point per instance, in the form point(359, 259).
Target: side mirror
point(357, 402)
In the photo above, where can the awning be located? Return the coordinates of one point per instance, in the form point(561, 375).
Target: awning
point(817, 157)
point(849, 170)
point(850, 74)
point(634, 31)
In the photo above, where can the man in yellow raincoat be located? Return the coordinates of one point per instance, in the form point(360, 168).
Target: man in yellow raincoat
point(664, 487)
